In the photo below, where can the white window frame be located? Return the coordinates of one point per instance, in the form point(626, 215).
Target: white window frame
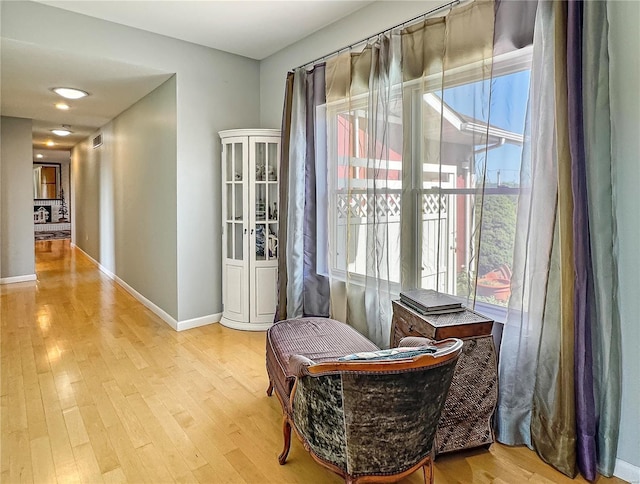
point(503, 64)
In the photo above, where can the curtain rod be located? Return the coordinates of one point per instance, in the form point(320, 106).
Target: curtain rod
point(423, 15)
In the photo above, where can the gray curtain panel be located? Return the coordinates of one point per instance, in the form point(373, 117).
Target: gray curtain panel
point(302, 291)
point(281, 310)
point(605, 318)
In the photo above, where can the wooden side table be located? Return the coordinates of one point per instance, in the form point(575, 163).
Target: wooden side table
point(472, 399)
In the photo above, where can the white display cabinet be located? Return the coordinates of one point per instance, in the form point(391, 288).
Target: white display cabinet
point(250, 170)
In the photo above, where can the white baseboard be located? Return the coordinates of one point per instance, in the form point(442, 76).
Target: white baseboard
point(161, 313)
point(102, 268)
point(155, 309)
point(229, 323)
point(15, 279)
point(197, 322)
point(628, 472)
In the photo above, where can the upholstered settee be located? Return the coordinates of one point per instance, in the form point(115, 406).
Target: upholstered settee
point(366, 417)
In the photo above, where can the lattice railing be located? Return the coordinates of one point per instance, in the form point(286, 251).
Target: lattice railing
point(362, 205)
point(434, 204)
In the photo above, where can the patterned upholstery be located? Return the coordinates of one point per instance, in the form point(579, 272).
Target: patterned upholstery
point(370, 423)
point(361, 419)
point(319, 339)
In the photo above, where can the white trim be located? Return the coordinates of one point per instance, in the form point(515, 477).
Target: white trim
point(243, 133)
point(155, 309)
point(229, 323)
point(15, 279)
point(628, 472)
point(48, 227)
point(197, 322)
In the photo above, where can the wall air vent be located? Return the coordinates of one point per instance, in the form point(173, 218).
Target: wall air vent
point(97, 141)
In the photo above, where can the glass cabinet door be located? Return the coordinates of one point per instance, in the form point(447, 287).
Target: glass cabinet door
point(250, 215)
point(235, 229)
point(265, 230)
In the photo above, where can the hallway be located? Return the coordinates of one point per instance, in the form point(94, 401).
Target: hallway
point(96, 388)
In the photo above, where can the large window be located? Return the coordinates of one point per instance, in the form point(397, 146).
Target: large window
point(364, 187)
point(444, 196)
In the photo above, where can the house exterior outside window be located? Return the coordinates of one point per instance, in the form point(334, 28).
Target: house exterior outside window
point(463, 192)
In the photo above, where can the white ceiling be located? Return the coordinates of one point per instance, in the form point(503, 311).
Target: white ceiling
point(51, 156)
point(29, 73)
point(254, 29)
point(250, 28)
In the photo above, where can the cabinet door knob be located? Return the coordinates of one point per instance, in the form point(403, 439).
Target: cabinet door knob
point(245, 231)
point(251, 231)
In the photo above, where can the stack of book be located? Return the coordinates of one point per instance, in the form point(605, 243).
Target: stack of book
point(428, 301)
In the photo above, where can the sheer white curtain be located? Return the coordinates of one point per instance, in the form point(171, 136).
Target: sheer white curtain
point(365, 114)
point(535, 229)
point(424, 143)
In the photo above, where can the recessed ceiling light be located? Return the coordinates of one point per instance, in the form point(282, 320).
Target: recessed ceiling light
point(50, 143)
point(69, 92)
point(39, 155)
point(63, 106)
point(61, 132)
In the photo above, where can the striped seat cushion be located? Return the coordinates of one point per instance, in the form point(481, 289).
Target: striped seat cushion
point(319, 339)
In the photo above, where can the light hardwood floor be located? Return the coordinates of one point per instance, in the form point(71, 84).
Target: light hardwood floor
point(96, 388)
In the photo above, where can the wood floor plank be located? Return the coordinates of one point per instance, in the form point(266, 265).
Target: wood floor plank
point(115, 476)
point(66, 396)
point(97, 433)
point(130, 463)
point(135, 429)
point(35, 411)
point(41, 357)
point(154, 463)
point(205, 474)
point(42, 461)
point(28, 363)
point(63, 458)
point(176, 435)
point(16, 408)
point(245, 467)
point(171, 455)
point(99, 396)
point(87, 463)
point(18, 466)
point(95, 388)
point(75, 427)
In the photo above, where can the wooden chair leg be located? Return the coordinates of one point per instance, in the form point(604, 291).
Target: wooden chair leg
point(428, 472)
point(270, 389)
point(286, 430)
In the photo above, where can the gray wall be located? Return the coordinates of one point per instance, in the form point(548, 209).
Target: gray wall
point(125, 192)
point(364, 22)
point(65, 175)
point(624, 40)
point(85, 182)
point(215, 91)
point(16, 198)
point(624, 17)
